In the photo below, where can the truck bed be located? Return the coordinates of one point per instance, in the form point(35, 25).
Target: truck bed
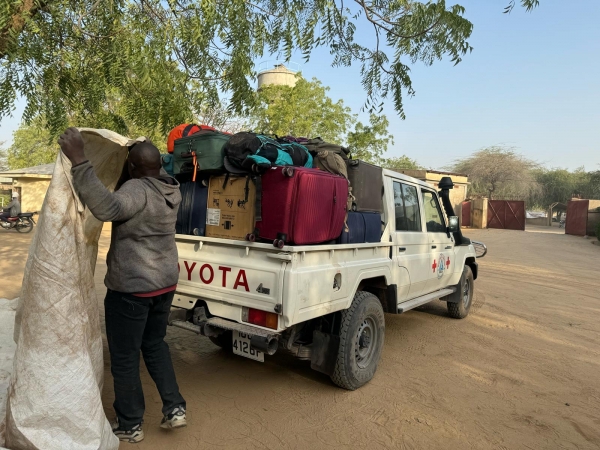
point(297, 282)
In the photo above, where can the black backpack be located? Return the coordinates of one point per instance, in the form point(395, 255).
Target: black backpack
point(250, 152)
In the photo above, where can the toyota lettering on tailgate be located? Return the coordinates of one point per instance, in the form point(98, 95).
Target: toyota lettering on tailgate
point(206, 273)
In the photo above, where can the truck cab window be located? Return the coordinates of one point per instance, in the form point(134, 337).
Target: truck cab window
point(433, 213)
point(406, 204)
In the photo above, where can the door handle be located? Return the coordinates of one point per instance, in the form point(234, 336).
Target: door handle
point(449, 247)
point(434, 246)
point(401, 249)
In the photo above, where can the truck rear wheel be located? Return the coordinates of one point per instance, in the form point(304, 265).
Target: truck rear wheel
point(223, 340)
point(463, 297)
point(361, 341)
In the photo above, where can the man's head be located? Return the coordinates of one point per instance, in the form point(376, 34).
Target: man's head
point(144, 161)
point(15, 195)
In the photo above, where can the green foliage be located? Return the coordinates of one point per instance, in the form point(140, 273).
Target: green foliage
point(5, 198)
point(302, 110)
point(32, 146)
point(527, 4)
point(3, 161)
point(370, 142)
point(400, 162)
point(160, 60)
point(560, 185)
point(306, 110)
point(499, 173)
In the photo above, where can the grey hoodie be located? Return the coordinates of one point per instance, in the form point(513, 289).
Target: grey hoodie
point(142, 256)
point(13, 207)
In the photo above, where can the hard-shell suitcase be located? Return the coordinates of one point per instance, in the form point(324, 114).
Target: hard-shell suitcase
point(301, 206)
point(206, 150)
point(191, 217)
point(362, 227)
point(366, 181)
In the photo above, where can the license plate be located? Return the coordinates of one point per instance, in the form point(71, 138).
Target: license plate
point(241, 346)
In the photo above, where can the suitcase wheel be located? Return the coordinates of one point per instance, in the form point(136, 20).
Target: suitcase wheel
point(288, 171)
point(278, 243)
point(251, 237)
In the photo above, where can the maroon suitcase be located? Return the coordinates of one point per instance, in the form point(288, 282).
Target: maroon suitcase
point(301, 206)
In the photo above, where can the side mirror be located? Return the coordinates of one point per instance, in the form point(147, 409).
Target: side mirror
point(453, 224)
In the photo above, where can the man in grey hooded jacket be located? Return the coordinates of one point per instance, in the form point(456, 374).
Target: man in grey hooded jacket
point(141, 278)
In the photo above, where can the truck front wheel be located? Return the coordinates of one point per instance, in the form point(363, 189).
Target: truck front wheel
point(361, 341)
point(460, 301)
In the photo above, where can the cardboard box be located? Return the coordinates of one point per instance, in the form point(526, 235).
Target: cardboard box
point(231, 202)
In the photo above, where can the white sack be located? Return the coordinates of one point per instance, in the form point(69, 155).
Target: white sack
point(7, 351)
point(54, 397)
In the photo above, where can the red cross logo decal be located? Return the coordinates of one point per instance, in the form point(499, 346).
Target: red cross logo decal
point(448, 263)
point(434, 265)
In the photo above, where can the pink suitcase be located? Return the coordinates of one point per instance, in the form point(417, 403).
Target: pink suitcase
point(301, 206)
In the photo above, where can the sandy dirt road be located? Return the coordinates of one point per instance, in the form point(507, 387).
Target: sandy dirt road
point(521, 372)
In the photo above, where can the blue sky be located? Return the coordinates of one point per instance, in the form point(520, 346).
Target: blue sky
point(532, 82)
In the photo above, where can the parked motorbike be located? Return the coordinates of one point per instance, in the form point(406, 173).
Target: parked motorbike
point(23, 223)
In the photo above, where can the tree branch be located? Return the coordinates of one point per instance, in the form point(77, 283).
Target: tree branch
point(23, 13)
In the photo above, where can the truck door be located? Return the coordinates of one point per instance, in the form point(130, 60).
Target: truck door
point(441, 244)
point(411, 244)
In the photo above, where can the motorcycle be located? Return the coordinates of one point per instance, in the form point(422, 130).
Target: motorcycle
point(23, 223)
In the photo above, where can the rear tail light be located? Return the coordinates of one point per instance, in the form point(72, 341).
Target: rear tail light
point(260, 318)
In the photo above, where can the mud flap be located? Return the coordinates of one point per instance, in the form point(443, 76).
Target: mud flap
point(324, 352)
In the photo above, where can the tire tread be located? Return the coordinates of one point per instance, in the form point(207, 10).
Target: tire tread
point(340, 374)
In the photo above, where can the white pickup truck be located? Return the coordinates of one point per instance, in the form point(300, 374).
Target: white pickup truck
point(326, 303)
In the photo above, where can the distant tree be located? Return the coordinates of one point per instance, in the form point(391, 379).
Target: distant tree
point(499, 173)
point(302, 110)
point(220, 117)
point(3, 160)
point(400, 162)
point(559, 185)
point(370, 142)
point(32, 145)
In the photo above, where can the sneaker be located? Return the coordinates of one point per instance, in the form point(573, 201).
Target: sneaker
point(176, 419)
point(133, 435)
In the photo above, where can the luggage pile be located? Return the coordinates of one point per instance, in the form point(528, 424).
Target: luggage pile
point(254, 187)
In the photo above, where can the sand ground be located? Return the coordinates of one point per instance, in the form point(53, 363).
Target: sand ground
point(521, 372)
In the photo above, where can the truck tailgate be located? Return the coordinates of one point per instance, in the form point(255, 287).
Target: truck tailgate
point(231, 272)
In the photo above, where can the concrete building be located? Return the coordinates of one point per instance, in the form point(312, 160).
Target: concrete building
point(461, 182)
point(279, 75)
point(31, 183)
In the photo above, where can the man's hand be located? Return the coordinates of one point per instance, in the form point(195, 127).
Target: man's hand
point(71, 144)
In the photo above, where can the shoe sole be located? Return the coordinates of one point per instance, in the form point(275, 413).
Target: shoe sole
point(131, 440)
point(178, 424)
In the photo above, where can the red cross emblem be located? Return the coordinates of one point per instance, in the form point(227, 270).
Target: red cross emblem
point(434, 265)
point(448, 263)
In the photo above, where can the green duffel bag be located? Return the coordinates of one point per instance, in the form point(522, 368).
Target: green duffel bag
point(208, 148)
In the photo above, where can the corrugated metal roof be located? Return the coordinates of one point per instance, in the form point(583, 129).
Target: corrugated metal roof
point(44, 169)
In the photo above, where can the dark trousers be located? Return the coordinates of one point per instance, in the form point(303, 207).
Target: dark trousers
point(134, 324)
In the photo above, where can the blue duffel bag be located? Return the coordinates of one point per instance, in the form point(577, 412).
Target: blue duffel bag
point(362, 227)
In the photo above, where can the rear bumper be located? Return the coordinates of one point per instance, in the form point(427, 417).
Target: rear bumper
point(262, 340)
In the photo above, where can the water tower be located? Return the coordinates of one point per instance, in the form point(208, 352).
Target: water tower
point(278, 73)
